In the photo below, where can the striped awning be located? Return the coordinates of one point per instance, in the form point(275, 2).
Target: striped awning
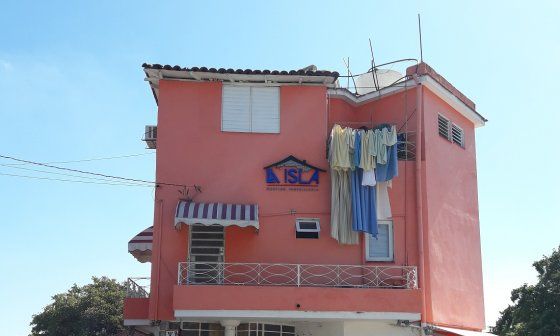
point(217, 214)
point(141, 245)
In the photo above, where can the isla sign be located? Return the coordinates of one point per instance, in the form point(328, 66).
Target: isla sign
point(292, 174)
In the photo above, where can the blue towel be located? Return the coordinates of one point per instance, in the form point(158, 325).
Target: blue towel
point(386, 172)
point(364, 199)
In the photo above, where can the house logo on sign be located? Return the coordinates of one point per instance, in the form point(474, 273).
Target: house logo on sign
point(292, 174)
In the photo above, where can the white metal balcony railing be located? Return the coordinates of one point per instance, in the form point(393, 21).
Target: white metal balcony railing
point(297, 275)
point(138, 287)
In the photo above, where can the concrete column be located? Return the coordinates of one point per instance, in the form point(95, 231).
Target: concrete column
point(230, 326)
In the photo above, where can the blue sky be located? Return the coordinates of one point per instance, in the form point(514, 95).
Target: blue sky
point(71, 88)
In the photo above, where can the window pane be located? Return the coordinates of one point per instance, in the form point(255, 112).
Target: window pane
point(288, 329)
point(272, 327)
point(380, 248)
point(308, 225)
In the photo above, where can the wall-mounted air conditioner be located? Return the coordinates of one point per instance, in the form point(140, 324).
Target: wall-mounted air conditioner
point(150, 136)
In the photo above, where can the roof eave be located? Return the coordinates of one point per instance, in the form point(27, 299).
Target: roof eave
point(153, 76)
point(476, 118)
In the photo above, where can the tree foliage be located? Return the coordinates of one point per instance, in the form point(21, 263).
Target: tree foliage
point(94, 309)
point(536, 309)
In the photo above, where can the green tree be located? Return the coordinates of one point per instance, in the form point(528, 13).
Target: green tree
point(94, 309)
point(536, 309)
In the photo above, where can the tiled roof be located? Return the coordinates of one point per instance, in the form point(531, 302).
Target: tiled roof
point(301, 72)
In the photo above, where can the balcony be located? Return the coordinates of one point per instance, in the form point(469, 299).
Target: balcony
point(297, 275)
point(137, 301)
point(138, 288)
point(206, 288)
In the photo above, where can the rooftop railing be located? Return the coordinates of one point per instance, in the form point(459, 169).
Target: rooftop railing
point(298, 275)
point(138, 287)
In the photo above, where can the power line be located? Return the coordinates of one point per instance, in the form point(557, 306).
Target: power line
point(88, 160)
point(75, 181)
point(96, 174)
point(71, 175)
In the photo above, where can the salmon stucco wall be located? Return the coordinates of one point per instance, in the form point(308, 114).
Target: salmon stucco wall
point(453, 251)
point(228, 166)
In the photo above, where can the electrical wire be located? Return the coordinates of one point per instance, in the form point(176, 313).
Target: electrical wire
point(97, 174)
point(63, 174)
point(75, 181)
point(88, 160)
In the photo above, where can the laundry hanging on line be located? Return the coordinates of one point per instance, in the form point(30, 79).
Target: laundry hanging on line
point(363, 163)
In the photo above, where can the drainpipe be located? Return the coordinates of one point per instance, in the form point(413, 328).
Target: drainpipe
point(419, 218)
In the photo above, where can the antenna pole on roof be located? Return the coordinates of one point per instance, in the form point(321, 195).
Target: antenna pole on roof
point(350, 73)
point(373, 68)
point(420, 35)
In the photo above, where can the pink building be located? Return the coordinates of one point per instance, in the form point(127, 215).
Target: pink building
point(241, 242)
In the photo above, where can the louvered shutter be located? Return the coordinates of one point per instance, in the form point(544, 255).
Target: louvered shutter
point(265, 109)
point(457, 135)
point(443, 127)
point(236, 108)
point(381, 249)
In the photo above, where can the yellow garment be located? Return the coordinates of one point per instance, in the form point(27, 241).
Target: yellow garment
point(367, 161)
point(340, 148)
point(341, 208)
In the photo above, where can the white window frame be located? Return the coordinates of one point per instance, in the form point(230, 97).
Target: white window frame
point(314, 220)
point(368, 236)
point(250, 128)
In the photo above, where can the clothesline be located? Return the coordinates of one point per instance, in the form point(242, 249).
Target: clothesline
point(363, 164)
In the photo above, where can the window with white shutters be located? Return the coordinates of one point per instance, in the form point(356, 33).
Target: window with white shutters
point(251, 109)
point(380, 248)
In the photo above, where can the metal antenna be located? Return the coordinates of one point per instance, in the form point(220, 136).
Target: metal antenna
point(350, 73)
point(420, 35)
point(373, 68)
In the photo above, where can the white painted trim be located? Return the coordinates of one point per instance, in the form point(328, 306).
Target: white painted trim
point(294, 315)
point(463, 332)
point(222, 222)
point(425, 80)
point(450, 99)
point(135, 322)
point(391, 238)
point(314, 220)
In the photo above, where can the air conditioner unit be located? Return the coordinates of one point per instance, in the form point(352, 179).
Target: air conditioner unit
point(150, 136)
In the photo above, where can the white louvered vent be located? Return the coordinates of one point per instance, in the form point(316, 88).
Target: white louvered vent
point(381, 249)
point(451, 131)
point(443, 126)
point(457, 135)
point(250, 109)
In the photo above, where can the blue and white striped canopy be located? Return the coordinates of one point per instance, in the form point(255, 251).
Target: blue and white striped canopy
point(224, 214)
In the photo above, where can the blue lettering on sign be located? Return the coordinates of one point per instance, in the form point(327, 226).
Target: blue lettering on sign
point(292, 172)
point(271, 177)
